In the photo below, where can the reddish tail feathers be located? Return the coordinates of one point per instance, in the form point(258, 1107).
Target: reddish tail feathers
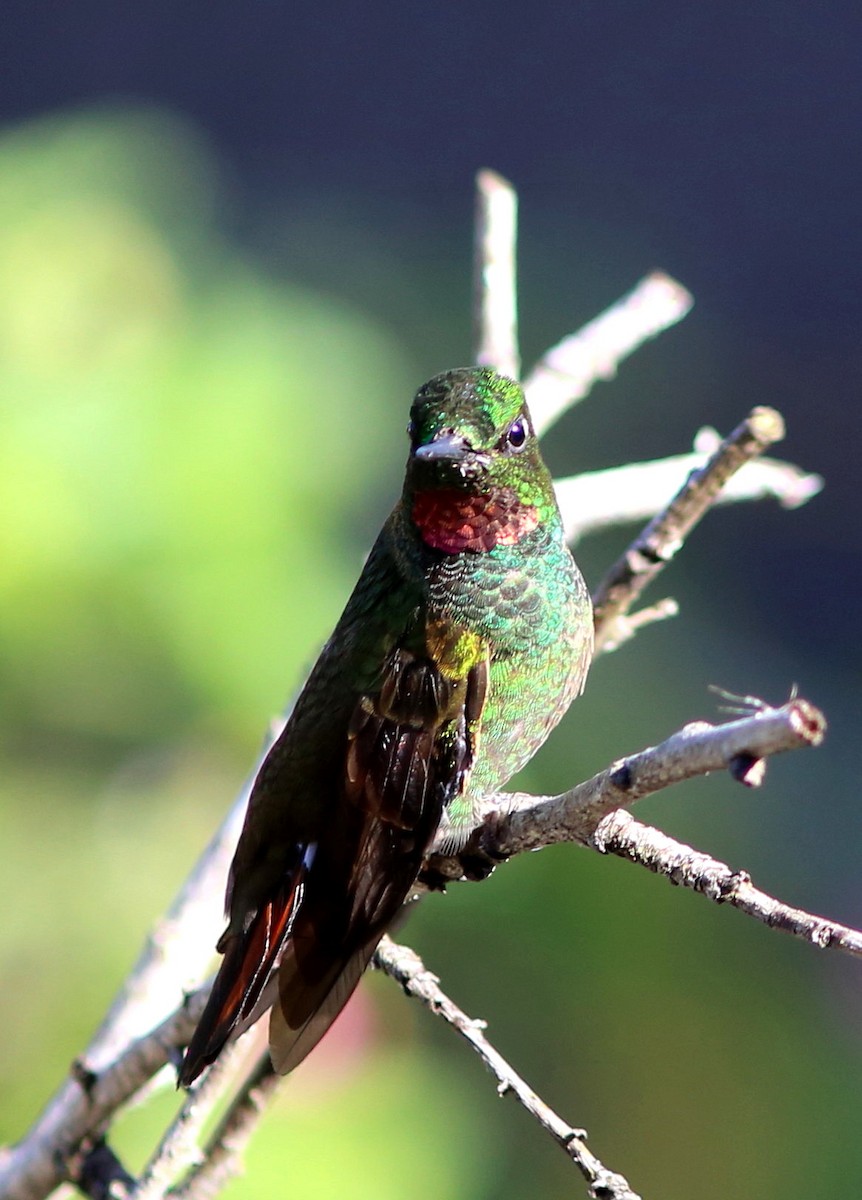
point(247, 965)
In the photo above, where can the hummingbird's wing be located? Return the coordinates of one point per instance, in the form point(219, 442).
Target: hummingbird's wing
point(410, 748)
point(407, 753)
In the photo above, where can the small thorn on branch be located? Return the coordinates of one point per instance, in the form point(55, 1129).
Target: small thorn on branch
point(84, 1076)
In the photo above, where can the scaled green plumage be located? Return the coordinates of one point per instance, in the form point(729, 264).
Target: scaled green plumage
point(465, 639)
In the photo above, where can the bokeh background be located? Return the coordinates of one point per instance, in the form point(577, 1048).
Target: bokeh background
point(233, 239)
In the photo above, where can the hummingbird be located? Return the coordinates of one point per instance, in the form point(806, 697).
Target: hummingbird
point(464, 641)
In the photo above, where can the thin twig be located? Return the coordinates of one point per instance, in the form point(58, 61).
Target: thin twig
point(516, 822)
point(180, 1147)
point(598, 500)
point(659, 542)
point(222, 1157)
point(625, 628)
point(495, 301)
point(619, 833)
point(405, 966)
point(567, 372)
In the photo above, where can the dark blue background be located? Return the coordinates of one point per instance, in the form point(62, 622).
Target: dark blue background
point(720, 142)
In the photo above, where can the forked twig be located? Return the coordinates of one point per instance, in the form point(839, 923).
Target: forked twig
point(653, 549)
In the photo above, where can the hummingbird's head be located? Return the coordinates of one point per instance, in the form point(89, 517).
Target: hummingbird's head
point(475, 477)
point(470, 428)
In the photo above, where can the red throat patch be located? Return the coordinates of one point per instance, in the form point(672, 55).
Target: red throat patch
point(455, 521)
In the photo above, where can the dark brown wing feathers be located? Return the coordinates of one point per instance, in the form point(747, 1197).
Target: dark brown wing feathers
point(408, 753)
point(410, 749)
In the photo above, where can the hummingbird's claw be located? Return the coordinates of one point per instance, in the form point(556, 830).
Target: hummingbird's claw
point(480, 857)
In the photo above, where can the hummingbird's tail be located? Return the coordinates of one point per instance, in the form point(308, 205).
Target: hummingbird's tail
point(249, 958)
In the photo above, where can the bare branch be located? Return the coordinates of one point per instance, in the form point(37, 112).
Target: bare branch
point(625, 628)
point(405, 966)
point(593, 815)
point(180, 1148)
point(567, 372)
point(597, 500)
point(520, 823)
point(619, 833)
point(221, 1159)
point(33, 1168)
point(664, 535)
point(517, 822)
point(495, 303)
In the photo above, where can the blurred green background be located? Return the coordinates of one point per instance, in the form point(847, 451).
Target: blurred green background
point(202, 405)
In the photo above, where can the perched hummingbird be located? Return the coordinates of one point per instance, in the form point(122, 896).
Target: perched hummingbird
point(467, 636)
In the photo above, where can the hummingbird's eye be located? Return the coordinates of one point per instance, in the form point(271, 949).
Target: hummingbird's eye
point(411, 430)
point(516, 436)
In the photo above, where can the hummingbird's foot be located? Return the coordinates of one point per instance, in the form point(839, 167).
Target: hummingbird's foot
point(475, 861)
point(480, 857)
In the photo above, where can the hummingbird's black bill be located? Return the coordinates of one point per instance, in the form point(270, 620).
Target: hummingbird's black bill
point(445, 445)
